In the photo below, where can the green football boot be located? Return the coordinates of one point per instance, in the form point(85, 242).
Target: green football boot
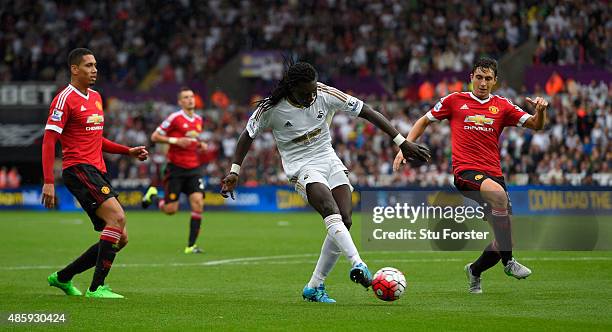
point(194, 249)
point(67, 287)
point(147, 198)
point(103, 292)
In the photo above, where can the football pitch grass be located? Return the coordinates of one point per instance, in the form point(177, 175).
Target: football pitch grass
point(255, 266)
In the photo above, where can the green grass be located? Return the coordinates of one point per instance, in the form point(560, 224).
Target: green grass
point(241, 284)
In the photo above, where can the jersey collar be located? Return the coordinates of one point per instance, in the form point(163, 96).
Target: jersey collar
point(480, 100)
point(189, 118)
point(79, 92)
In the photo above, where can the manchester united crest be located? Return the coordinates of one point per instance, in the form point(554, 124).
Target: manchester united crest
point(493, 109)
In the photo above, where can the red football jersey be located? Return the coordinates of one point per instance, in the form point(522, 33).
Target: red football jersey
point(79, 119)
point(178, 125)
point(476, 126)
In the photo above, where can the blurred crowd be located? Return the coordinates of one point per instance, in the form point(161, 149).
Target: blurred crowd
point(139, 41)
point(574, 33)
point(574, 149)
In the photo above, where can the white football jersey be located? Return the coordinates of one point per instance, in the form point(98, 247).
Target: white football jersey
point(302, 134)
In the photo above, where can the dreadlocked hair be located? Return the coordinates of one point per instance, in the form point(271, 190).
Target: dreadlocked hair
point(299, 72)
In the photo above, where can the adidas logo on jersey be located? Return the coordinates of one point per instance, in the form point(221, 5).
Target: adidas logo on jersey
point(288, 124)
point(83, 108)
point(464, 107)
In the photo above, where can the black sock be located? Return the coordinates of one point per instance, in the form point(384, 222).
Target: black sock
point(503, 234)
point(107, 250)
point(106, 256)
point(487, 260)
point(194, 227)
point(86, 261)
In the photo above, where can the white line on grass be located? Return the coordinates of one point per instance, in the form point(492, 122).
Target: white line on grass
point(243, 260)
point(272, 261)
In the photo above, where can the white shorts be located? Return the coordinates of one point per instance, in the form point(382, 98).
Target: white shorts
point(328, 171)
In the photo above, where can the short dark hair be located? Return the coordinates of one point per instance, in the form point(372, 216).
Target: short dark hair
point(485, 63)
point(76, 56)
point(181, 90)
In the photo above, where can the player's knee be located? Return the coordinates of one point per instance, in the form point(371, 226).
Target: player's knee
point(116, 219)
point(328, 208)
point(498, 199)
point(197, 206)
point(120, 218)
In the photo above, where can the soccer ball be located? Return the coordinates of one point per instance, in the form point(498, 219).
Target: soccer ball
point(388, 284)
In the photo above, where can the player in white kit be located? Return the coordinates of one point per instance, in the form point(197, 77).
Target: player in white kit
point(299, 112)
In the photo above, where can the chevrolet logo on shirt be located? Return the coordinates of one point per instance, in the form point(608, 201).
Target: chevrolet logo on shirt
point(480, 120)
point(95, 119)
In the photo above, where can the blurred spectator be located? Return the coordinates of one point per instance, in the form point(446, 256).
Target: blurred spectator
point(426, 91)
point(13, 179)
point(554, 84)
point(9, 178)
point(3, 177)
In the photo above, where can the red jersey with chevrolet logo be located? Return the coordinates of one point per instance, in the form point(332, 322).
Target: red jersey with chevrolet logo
point(79, 119)
point(180, 124)
point(476, 126)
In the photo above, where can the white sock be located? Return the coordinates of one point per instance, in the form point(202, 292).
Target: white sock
point(341, 236)
point(329, 256)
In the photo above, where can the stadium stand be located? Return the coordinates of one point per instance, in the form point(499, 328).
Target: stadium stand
point(132, 47)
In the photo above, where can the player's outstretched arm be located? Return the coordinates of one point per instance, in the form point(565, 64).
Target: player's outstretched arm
point(408, 148)
point(183, 142)
point(138, 152)
point(538, 120)
point(228, 184)
point(417, 130)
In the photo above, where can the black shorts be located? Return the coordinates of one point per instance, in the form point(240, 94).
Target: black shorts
point(181, 180)
point(469, 182)
point(91, 188)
